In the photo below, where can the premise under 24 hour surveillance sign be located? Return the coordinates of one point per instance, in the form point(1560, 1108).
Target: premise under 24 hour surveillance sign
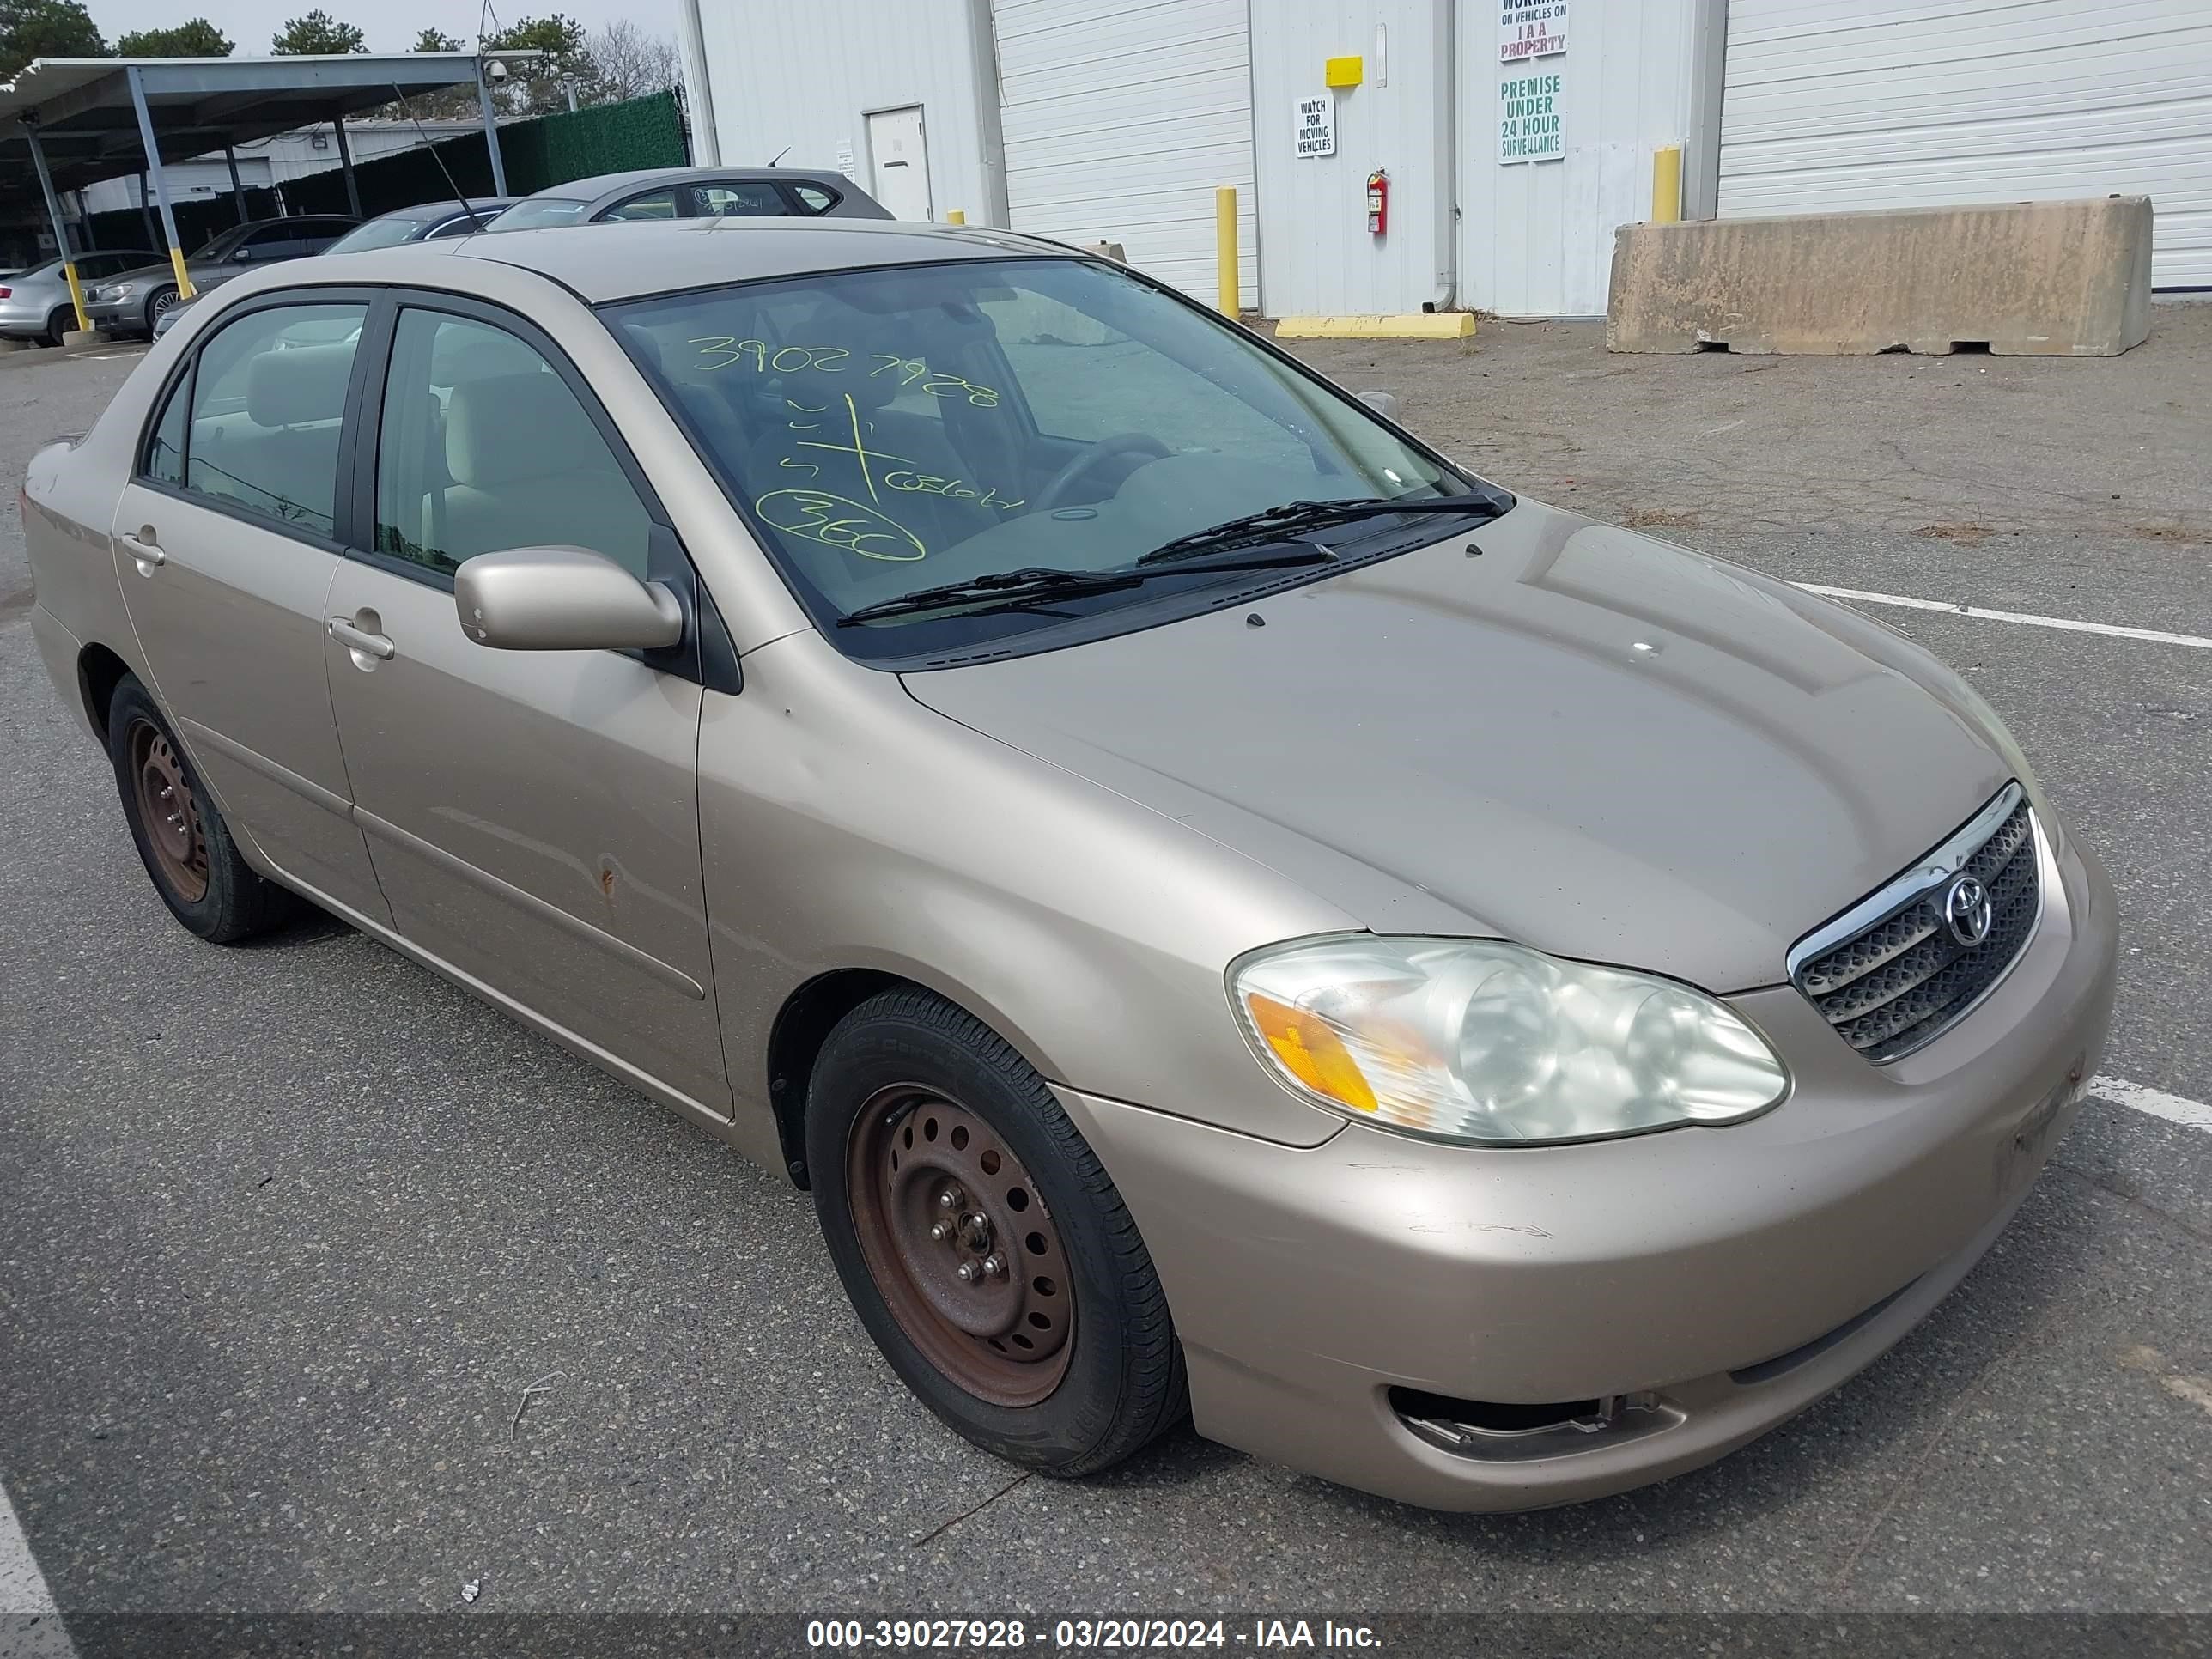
point(1528, 127)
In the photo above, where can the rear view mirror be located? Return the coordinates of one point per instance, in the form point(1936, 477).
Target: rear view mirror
point(1384, 404)
point(563, 599)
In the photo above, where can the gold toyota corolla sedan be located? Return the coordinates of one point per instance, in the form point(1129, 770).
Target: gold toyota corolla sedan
point(1225, 911)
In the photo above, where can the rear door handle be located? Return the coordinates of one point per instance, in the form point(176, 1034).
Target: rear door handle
point(144, 548)
point(378, 645)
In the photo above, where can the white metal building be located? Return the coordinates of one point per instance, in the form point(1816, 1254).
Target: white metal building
point(1516, 134)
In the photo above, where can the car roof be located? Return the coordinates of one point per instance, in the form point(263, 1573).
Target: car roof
point(602, 263)
point(486, 204)
point(588, 190)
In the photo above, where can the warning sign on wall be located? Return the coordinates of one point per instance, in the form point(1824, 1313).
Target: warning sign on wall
point(1530, 28)
point(1315, 131)
point(1528, 111)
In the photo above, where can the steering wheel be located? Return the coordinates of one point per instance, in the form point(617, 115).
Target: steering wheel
point(1121, 443)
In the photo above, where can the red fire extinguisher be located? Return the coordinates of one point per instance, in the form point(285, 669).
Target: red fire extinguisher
point(1378, 202)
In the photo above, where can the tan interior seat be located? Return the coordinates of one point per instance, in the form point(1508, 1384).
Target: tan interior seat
point(530, 469)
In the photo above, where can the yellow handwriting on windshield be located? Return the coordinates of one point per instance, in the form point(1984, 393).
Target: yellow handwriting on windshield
point(836, 521)
point(959, 490)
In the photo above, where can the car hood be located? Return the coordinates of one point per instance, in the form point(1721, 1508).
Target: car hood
point(201, 275)
point(1599, 744)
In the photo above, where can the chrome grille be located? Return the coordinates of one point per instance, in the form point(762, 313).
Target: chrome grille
point(1890, 974)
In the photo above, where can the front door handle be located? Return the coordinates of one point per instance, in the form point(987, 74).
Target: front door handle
point(378, 645)
point(145, 547)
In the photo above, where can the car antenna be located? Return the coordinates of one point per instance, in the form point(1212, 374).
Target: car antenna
point(779, 155)
point(459, 195)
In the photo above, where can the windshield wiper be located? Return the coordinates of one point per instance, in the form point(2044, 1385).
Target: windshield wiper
point(1041, 585)
point(1294, 516)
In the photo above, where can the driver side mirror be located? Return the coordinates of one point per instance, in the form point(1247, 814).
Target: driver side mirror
point(1384, 404)
point(563, 599)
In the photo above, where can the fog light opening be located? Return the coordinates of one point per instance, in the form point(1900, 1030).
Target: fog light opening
point(1498, 1429)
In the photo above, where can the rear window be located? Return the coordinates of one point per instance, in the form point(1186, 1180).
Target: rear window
point(379, 232)
point(537, 212)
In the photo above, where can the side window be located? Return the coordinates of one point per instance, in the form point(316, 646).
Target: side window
point(484, 447)
point(165, 448)
point(275, 241)
point(662, 204)
point(268, 404)
point(813, 198)
point(744, 200)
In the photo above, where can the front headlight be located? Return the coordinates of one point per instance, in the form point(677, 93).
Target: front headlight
point(118, 291)
point(1475, 1040)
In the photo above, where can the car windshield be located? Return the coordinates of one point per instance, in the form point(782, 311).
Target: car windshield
point(223, 243)
point(387, 232)
point(539, 211)
point(890, 431)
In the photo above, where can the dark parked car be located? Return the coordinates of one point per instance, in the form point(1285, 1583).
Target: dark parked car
point(694, 193)
point(134, 301)
point(423, 222)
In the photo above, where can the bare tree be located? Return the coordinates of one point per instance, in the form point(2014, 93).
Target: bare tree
point(630, 62)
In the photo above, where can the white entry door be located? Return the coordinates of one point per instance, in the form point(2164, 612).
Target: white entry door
point(898, 161)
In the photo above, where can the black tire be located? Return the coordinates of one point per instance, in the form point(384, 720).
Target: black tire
point(59, 324)
point(157, 303)
point(236, 902)
point(1124, 1383)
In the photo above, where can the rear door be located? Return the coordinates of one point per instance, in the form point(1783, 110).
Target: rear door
point(533, 815)
point(227, 540)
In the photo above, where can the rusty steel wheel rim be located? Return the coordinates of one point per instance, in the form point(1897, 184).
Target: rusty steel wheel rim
point(960, 1245)
point(168, 811)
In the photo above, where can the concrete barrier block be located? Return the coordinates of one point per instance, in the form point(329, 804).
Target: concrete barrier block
point(2049, 279)
point(82, 339)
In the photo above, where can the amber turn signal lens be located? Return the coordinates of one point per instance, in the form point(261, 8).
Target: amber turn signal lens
point(1310, 1052)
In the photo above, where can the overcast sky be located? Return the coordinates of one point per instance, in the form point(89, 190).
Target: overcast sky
point(391, 25)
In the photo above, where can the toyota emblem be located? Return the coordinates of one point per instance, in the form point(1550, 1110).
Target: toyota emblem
point(1967, 910)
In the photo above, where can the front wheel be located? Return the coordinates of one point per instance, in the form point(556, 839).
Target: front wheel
point(157, 303)
point(983, 1245)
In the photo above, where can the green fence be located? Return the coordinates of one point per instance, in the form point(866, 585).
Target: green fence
point(549, 149)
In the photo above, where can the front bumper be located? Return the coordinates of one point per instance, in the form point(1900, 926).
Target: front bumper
point(1728, 1276)
point(118, 316)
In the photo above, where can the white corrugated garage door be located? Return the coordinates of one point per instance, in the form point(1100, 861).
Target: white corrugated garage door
point(1120, 118)
point(1847, 104)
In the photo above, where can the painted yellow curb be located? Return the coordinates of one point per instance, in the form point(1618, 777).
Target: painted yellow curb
point(1413, 325)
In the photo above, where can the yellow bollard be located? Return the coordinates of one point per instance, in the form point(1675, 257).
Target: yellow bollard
point(76, 295)
point(185, 288)
point(1667, 184)
point(956, 216)
point(1225, 236)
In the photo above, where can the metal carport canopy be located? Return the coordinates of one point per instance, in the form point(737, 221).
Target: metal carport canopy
point(82, 107)
point(70, 121)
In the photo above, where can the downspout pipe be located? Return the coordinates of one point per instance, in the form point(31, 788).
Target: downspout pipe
point(1446, 129)
point(698, 85)
point(990, 133)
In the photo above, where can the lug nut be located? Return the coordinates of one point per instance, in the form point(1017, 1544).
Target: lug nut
point(941, 1231)
point(968, 1272)
point(995, 1266)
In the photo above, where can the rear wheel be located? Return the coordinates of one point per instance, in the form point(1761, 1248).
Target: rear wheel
point(982, 1243)
point(59, 324)
point(185, 846)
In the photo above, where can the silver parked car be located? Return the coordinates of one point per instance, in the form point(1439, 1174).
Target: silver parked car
point(657, 193)
point(132, 302)
point(1224, 909)
point(34, 304)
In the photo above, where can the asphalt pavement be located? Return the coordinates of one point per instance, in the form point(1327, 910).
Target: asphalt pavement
point(286, 1232)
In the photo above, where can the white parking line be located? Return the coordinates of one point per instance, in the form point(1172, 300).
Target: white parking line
point(2155, 635)
point(2175, 1109)
point(24, 1597)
